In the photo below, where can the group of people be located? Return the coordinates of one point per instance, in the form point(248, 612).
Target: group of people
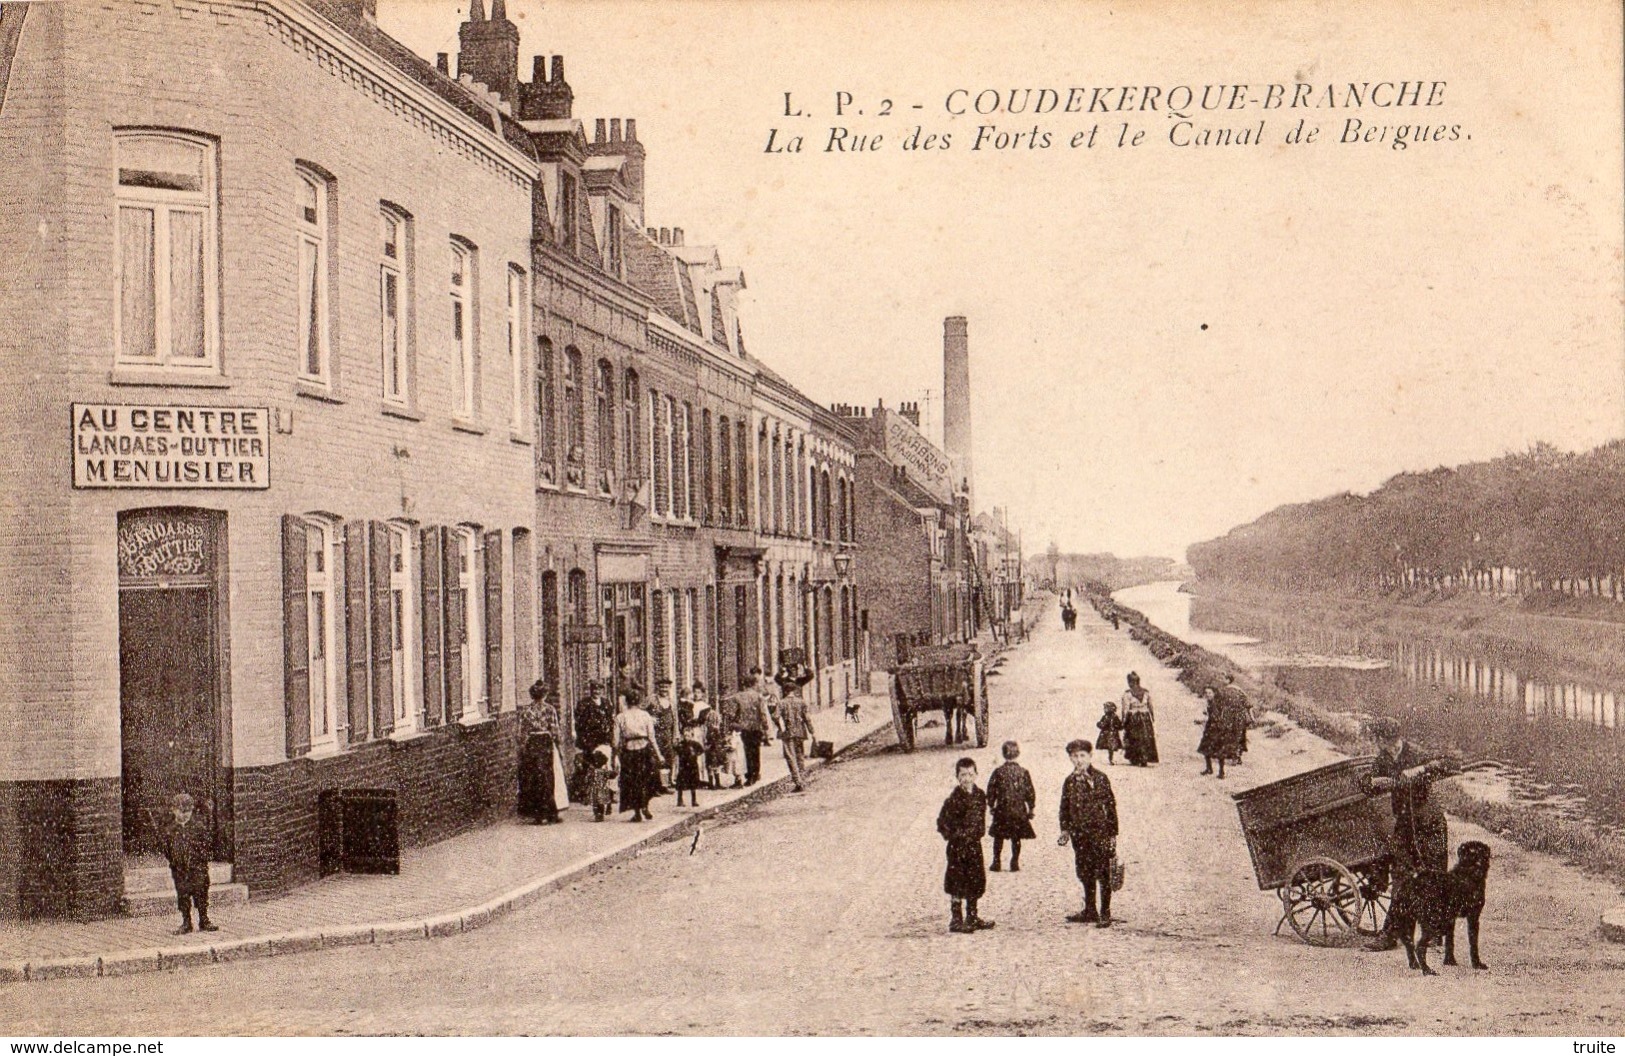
point(1087, 821)
point(1131, 730)
point(633, 751)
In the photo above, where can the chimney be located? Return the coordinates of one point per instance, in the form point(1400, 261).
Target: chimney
point(911, 412)
point(956, 430)
point(614, 130)
point(676, 236)
point(442, 62)
point(598, 130)
point(488, 49)
point(665, 236)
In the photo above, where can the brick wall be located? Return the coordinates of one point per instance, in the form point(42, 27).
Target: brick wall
point(65, 839)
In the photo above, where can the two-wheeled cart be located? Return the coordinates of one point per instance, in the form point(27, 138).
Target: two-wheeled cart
point(1320, 841)
point(945, 678)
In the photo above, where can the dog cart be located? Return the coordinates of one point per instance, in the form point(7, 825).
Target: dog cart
point(945, 678)
point(1319, 841)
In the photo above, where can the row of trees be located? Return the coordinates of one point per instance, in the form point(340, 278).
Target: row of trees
point(1541, 520)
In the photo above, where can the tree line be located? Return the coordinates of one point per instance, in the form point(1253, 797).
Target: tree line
point(1539, 520)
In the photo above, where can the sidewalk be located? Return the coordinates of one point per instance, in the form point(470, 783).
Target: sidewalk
point(455, 885)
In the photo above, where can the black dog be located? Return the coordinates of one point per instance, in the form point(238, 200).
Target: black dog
point(852, 707)
point(1434, 900)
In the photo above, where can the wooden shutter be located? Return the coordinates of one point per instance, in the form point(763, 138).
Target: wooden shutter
point(456, 621)
point(493, 621)
point(356, 655)
point(383, 631)
point(295, 638)
point(433, 615)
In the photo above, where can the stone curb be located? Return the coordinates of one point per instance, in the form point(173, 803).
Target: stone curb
point(1613, 923)
point(452, 922)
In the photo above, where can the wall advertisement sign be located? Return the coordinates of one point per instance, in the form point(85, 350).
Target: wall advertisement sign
point(174, 448)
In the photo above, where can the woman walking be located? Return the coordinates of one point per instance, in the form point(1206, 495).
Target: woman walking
point(641, 758)
point(538, 756)
point(1221, 737)
point(1139, 724)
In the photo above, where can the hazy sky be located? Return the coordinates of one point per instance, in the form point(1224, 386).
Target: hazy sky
point(1165, 341)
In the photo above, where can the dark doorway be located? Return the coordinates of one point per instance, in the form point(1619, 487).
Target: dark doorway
point(741, 636)
point(167, 679)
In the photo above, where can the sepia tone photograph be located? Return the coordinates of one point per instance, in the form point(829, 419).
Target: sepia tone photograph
point(735, 518)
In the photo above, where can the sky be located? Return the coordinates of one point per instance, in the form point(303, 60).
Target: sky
point(1167, 340)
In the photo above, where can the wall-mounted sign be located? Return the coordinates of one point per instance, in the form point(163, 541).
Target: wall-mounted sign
point(138, 446)
point(583, 634)
point(927, 466)
point(164, 545)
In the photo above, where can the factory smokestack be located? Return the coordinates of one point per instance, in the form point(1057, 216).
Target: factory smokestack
point(956, 434)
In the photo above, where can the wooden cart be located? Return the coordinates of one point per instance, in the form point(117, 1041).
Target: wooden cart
point(1321, 843)
point(945, 678)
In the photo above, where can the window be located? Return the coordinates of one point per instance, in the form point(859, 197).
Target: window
point(725, 465)
point(470, 637)
point(691, 462)
point(612, 236)
point(604, 395)
point(516, 346)
point(403, 599)
point(741, 475)
point(696, 655)
point(322, 556)
point(632, 427)
point(394, 303)
point(310, 215)
point(165, 278)
point(657, 629)
point(660, 453)
point(679, 641)
point(778, 487)
point(547, 423)
point(708, 508)
point(679, 459)
point(575, 439)
point(463, 309)
point(567, 212)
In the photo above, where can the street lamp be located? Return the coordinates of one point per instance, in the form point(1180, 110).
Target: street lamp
point(843, 564)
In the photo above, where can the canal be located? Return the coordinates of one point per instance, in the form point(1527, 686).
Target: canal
point(1561, 743)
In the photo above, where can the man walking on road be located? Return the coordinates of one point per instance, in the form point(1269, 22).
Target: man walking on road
point(1089, 823)
point(746, 712)
point(793, 725)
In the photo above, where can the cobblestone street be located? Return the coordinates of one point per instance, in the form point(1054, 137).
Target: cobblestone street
point(823, 913)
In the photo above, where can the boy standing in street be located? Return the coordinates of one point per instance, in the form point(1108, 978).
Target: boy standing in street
point(1089, 823)
point(186, 846)
point(1011, 799)
point(963, 822)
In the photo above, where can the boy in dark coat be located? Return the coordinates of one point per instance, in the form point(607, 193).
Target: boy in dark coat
point(186, 846)
point(1011, 799)
point(1089, 823)
point(963, 822)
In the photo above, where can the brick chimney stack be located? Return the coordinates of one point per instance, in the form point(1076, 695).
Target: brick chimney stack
point(488, 50)
point(956, 431)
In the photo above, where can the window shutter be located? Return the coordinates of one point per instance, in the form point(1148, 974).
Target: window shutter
point(451, 551)
point(295, 638)
point(355, 630)
point(434, 686)
point(493, 620)
point(383, 632)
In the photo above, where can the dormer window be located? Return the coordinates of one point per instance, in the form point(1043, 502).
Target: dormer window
point(612, 238)
point(567, 212)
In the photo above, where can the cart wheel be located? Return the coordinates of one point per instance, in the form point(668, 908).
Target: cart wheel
point(1376, 896)
point(903, 722)
point(1322, 902)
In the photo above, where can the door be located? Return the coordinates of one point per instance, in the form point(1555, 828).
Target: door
point(168, 707)
point(741, 637)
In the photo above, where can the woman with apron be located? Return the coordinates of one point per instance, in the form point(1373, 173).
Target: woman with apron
point(640, 755)
point(1139, 724)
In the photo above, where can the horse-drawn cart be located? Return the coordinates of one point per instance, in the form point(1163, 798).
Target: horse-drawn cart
point(1320, 841)
point(945, 678)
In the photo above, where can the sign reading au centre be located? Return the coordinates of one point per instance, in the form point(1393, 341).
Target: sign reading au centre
point(138, 446)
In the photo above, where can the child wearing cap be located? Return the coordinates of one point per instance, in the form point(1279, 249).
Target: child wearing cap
point(186, 846)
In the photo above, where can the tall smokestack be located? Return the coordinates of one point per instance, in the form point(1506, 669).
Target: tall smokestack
point(956, 399)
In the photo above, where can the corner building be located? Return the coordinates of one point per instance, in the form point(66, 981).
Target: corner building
point(268, 522)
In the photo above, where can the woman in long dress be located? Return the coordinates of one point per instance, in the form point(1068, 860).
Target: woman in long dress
point(640, 755)
point(538, 755)
point(1139, 724)
point(1221, 737)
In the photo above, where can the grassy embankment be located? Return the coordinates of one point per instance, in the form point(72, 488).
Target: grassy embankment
point(1526, 826)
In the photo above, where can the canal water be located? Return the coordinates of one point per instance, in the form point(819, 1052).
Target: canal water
point(1561, 744)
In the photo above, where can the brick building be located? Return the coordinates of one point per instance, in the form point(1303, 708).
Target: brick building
point(381, 402)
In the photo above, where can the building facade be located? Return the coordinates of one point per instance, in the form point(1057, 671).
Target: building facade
point(381, 402)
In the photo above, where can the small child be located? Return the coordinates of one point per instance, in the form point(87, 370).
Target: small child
point(963, 822)
point(1011, 798)
point(691, 763)
point(1110, 740)
point(716, 741)
point(186, 846)
point(600, 791)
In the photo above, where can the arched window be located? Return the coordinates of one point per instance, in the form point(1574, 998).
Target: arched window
point(632, 425)
point(741, 474)
point(778, 484)
point(166, 282)
point(464, 292)
point(547, 422)
point(575, 420)
point(517, 304)
point(604, 397)
point(708, 498)
point(324, 560)
point(826, 521)
point(551, 673)
point(310, 220)
point(395, 277)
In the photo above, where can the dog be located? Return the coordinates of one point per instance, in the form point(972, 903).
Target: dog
point(852, 709)
point(1432, 900)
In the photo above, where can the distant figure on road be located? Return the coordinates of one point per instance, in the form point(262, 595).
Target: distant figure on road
point(1110, 726)
point(1089, 824)
point(1241, 709)
point(1139, 724)
point(963, 822)
point(1012, 800)
point(1221, 739)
